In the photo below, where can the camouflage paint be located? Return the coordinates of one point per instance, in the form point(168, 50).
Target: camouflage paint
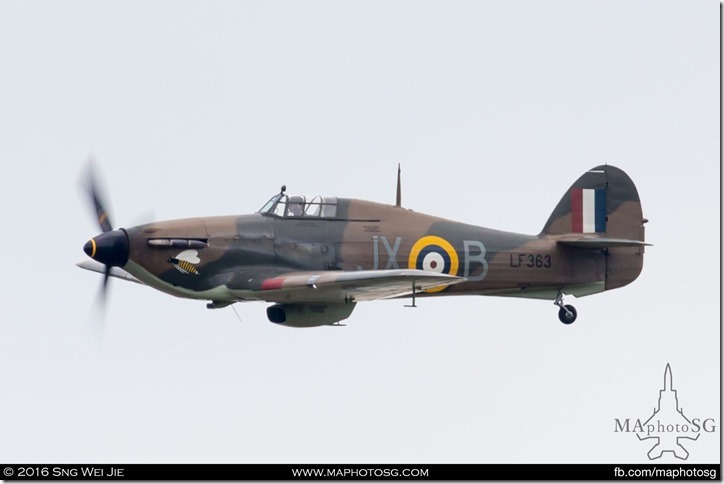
point(233, 258)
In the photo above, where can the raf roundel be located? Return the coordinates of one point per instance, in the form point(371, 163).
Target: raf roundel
point(434, 254)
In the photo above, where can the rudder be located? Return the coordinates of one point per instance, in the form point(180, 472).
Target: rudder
point(604, 203)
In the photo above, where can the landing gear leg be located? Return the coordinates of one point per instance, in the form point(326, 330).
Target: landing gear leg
point(414, 292)
point(567, 313)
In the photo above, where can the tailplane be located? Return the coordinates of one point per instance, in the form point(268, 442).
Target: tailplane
point(602, 211)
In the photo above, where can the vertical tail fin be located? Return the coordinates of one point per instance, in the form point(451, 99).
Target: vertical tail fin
point(604, 203)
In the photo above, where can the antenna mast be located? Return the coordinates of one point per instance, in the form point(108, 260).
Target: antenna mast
point(399, 188)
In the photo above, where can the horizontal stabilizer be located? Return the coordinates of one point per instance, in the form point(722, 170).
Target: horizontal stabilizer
point(94, 266)
point(600, 243)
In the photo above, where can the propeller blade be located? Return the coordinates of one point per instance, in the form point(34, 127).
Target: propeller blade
point(102, 297)
point(100, 307)
point(95, 193)
point(106, 278)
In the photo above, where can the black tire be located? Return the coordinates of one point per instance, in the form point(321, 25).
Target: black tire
point(563, 315)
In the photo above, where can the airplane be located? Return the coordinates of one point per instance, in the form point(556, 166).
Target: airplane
point(315, 258)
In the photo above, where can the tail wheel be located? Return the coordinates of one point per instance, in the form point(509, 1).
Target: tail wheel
point(567, 314)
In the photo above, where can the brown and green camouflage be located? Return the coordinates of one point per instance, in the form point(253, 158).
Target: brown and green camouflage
point(315, 258)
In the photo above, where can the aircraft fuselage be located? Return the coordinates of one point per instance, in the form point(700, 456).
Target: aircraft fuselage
point(316, 258)
point(237, 254)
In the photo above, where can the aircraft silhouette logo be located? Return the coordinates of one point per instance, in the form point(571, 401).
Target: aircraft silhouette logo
point(668, 425)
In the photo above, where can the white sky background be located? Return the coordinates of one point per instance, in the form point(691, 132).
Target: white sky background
point(493, 109)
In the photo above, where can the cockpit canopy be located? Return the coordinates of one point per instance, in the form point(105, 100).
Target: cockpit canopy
point(290, 206)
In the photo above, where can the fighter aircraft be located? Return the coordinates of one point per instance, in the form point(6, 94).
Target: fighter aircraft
point(315, 258)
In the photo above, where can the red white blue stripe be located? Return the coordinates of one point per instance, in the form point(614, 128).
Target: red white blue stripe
point(588, 210)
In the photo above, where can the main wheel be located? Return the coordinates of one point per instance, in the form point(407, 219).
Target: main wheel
point(565, 317)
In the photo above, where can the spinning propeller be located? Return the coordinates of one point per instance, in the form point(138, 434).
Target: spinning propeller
point(110, 247)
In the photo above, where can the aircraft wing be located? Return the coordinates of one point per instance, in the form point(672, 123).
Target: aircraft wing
point(336, 286)
point(94, 266)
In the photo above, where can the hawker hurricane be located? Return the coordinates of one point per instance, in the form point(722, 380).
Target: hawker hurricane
point(315, 258)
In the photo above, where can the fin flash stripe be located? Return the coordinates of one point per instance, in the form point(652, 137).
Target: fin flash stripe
point(588, 210)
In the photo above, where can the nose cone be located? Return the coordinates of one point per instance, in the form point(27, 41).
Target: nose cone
point(90, 248)
point(109, 248)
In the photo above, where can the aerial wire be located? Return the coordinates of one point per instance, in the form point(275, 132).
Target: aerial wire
point(237, 314)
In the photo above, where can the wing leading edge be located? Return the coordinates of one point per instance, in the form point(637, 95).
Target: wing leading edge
point(117, 272)
point(336, 286)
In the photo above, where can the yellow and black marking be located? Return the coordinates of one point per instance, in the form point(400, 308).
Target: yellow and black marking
point(434, 254)
point(184, 266)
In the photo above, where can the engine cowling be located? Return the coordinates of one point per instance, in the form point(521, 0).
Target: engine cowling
point(309, 315)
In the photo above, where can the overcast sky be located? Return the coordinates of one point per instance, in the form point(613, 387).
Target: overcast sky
point(493, 109)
